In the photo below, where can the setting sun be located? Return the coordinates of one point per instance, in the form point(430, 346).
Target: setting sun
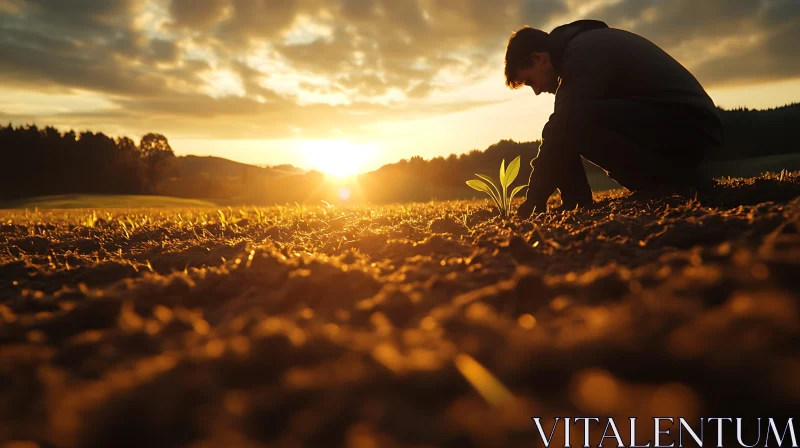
point(338, 158)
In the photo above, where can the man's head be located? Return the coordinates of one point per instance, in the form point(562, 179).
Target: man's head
point(528, 61)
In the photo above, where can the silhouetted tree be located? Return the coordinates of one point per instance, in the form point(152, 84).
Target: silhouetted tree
point(126, 144)
point(755, 133)
point(132, 168)
point(156, 153)
point(43, 161)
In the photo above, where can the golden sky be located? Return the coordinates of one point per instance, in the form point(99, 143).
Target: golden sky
point(310, 82)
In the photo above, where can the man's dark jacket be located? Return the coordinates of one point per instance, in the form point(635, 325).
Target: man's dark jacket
point(596, 62)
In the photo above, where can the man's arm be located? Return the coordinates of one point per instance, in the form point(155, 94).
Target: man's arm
point(584, 80)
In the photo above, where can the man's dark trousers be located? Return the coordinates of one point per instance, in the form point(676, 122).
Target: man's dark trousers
point(640, 144)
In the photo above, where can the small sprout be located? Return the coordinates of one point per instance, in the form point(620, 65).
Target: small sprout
point(507, 177)
point(222, 219)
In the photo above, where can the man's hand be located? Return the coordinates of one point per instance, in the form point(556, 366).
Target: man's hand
point(527, 207)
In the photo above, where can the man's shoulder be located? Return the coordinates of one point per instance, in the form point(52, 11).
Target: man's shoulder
point(603, 37)
point(603, 49)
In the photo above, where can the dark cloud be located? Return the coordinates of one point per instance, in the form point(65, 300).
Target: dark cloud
point(687, 27)
point(257, 19)
point(682, 20)
point(251, 81)
point(80, 19)
point(14, 35)
point(195, 14)
point(84, 8)
point(163, 50)
point(89, 45)
point(83, 11)
point(72, 66)
point(537, 13)
point(357, 10)
point(773, 60)
point(778, 13)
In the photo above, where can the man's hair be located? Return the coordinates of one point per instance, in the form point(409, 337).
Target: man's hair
point(521, 44)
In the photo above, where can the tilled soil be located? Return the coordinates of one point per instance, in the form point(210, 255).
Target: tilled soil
point(417, 325)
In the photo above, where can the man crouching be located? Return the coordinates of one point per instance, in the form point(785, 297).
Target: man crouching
point(621, 102)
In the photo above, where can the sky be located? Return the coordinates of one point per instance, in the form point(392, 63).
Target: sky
point(348, 83)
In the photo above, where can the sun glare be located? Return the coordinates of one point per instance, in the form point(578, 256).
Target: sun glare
point(338, 158)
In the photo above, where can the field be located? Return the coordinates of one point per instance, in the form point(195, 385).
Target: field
point(72, 201)
point(421, 325)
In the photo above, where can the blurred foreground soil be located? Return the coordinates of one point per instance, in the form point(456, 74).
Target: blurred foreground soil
point(418, 325)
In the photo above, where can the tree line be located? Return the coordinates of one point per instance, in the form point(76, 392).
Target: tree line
point(37, 162)
point(748, 134)
point(40, 162)
point(756, 133)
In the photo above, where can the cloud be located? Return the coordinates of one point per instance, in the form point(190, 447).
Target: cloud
point(199, 116)
point(752, 40)
point(774, 59)
point(681, 20)
point(163, 50)
point(63, 65)
point(257, 19)
point(320, 67)
point(81, 19)
point(82, 44)
point(538, 13)
point(193, 14)
point(381, 53)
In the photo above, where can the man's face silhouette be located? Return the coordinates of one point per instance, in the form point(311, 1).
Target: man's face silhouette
point(540, 75)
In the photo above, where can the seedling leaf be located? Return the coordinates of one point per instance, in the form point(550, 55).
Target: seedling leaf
point(512, 172)
point(480, 186)
point(489, 180)
point(515, 191)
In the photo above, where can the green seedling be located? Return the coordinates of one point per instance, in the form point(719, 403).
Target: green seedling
point(502, 201)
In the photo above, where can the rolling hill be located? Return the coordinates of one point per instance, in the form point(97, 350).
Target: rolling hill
point(190, 166)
